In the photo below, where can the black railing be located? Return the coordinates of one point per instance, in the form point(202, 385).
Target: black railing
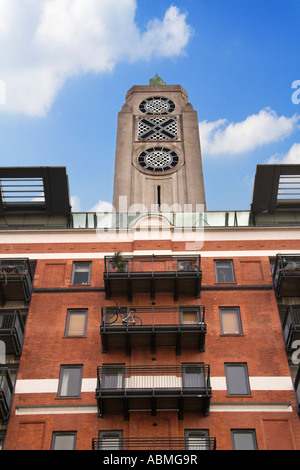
point(12, 267)
point(15, 279)
point(12, 330)
point(152, 274)
point(169, 377)
point(154, 443)
point(291, 326)
point(6, 391)
point(152, 264)
point(152, 316)
point(286, 275)
point(185, 388)
point(127, 327)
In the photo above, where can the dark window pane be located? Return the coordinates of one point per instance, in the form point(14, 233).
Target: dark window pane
point(81, 272)
point(63, 441)
point(110, 440)
point(193, 376)
point(237, 379)
point(244, 440)
point(70, 381)
point(196, 439)
point(224, 271)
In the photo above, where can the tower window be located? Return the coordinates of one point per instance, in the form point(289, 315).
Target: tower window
point(157, 105)
point(157, 128)
point(158, 197)
point(158, 159)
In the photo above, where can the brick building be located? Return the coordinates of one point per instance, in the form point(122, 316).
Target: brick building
point(151, 328)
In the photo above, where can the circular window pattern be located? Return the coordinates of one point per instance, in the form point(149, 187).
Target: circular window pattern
point(158, 159)
point(157, 105)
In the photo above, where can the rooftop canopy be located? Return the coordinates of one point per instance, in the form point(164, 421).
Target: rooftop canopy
point(34, 190)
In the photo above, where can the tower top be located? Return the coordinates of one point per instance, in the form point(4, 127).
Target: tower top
point(156, 80)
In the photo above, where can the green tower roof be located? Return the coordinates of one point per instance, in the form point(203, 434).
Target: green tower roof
point(156, 80)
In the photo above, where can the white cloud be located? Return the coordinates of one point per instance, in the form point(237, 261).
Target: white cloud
point(43, 42)
point(75, 204)
point(220, 137)
point(291, 157)
point(102, 206)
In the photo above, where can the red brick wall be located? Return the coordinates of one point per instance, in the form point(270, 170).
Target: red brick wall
point(261, 346)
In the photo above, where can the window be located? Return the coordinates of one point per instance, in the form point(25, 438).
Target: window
point(190, 315)
point(230, 320)
point(63, 441)
point(193, 376)
point(70, 381)
point(113, 376)
point(76, 322)
point(110, 440)
point(224, 271)
point(196, 439)
point(243, 439)
point(237, 379)
point(81, 272)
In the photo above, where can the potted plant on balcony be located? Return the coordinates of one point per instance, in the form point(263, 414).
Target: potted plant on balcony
point(118, 263)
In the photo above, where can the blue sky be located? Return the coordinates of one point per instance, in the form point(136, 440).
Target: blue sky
point(66, 65)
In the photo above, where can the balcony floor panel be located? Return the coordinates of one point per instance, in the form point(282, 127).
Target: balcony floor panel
point(17, 290)
point(190, 336)
point(11, 343)
point(289, 286)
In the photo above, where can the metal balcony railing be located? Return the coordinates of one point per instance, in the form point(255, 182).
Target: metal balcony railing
point(181, 377)
point(291, 326)
point(12, 330)
point(183, 387)
point(15, 279)
point(166, 325)
point(286, 275)
point(152, 274)
point(152, 316)
point(297, 388)
point(6, 391)
point(153, 264)
point(154, 443)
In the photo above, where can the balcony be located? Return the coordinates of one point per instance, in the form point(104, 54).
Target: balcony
point(286, 276)
point(291, 327)
point(153, 275)
point(154, 443)
point(122, 389)
point(297, 389)
point(15, 280)
point(129, 327)
point(6, 390)
point(12, 331)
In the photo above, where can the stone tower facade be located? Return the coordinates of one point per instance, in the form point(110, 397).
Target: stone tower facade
point(158, 164)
